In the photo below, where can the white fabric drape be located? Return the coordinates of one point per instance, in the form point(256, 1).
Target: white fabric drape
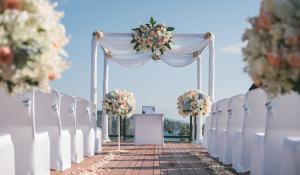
point(180, 55)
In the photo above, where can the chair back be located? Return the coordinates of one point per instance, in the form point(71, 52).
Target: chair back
point(222, 114)
point(47, 107)
point(255, 121)
point(256, 111)
point(67, 111)
point(213, 116)
point(83, 113)
point(93, 115)
point(236, 113)
point(283, 121)
point(16, 112)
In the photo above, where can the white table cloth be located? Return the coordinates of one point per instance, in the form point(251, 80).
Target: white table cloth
point(7, 158)
point(290, 156)
point(148, 129)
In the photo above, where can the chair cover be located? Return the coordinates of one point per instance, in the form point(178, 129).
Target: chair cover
point(212, 139)
point(32, 149)
point(290, 156)
point(207, 131)
point(83, 118)
point(283, 121)
point(235, 124)
point(255, 120)
point(221, 129)
point(7, 159)
point(47, 113)
point(98, 133)
point(257, 154)
point(68, 122)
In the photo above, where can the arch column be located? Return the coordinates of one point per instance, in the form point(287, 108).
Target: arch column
point(198, 128)
point(211, 75)
point(105, 134)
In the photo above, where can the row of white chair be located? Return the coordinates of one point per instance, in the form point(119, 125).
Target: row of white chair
point(255, 133)
point(43, 131)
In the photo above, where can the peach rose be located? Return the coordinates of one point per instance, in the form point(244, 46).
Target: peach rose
point(274, 59)
point(294, 60)
point(6, 56)
point(52, 76)
point(11, 4)
point(264, 20)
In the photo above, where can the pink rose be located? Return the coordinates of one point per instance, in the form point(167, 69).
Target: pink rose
point(6, 55)
point(274, 59)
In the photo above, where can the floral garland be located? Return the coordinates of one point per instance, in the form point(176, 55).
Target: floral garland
point(272, 54)
point(31, 45)
point(152, 36)
point(119, 103)
point(193, 103)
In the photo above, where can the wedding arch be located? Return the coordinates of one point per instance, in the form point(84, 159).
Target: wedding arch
point(117, 47)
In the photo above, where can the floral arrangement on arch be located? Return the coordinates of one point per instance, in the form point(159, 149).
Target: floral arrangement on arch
point(152, 36)
point(272, 53)
point(31, 45)
point(193, 103)
point(119, 103)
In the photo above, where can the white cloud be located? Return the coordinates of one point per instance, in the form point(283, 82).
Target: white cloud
point(233, 49)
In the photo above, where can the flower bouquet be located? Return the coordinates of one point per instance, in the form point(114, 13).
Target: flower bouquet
point(31, 45)
point(119, 103)
point(194, 104)
point(272, 53)
point(152, 36)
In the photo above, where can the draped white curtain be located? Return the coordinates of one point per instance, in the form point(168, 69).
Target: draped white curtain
point(123, 54)
point(181, 54)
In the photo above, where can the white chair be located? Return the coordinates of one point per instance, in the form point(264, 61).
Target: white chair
point(290, 156)
point(68, 122)
point(83, 118)
point(235, 125)
point(98, 133)
point(221, 129)
point(32, 149)
point(212, 139)
point(206, 131)
point(257, 153)
point(255, 120)
point(283, 121)
point(7, 159)
point(47, 108)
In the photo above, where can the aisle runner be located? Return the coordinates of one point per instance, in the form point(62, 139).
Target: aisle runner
point(212, 165)
point(99, 166)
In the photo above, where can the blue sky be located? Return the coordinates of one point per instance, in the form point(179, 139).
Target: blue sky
point(157, 83)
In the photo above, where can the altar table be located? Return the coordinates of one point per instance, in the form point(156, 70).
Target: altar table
point(148, 129)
